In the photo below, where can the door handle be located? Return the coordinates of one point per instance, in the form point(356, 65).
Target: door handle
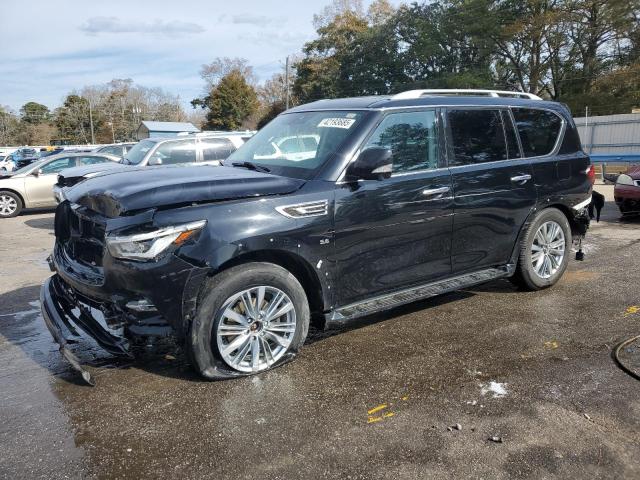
point(521, 178)
point(435, 191)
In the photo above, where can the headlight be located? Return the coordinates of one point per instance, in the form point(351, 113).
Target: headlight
point(624, 179)
point(147, 246)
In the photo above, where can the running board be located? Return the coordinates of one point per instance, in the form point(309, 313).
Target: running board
point(391, 300)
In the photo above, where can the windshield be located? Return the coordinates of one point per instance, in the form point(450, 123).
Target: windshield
point(139, 151)
point(297, 144)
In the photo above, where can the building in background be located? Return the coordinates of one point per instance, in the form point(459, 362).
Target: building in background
point(149, 129)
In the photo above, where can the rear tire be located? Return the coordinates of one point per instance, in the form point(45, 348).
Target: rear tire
point(230, 337)
point(544, 251)
point(10, 204)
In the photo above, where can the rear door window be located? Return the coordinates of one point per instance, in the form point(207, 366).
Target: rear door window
point(477, 136)
point(216, 148)
point(538, 129)
point(412, 138)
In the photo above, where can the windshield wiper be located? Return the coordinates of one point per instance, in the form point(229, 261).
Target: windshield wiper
point(252, 166)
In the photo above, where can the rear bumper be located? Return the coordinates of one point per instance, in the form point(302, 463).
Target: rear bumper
point(59, 306)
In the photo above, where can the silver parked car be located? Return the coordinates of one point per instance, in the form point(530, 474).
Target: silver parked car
point(32, 186)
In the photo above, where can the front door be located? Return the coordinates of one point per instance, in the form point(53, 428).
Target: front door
point(493, 187)
point(39, 185)
point(396, 232)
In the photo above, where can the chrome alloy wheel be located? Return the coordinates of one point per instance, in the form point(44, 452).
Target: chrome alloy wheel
point(8, 205)
point(255, 328)
point(547, 249)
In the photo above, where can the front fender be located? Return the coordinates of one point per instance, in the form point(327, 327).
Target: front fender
point(255, 231)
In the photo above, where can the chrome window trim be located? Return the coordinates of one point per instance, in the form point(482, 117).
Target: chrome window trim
point(554, 152)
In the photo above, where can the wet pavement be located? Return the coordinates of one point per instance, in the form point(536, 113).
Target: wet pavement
point(531, 370)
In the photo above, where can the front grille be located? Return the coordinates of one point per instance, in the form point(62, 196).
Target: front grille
point(80, 233)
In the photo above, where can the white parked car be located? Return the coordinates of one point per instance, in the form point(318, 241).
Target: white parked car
point(32, 186)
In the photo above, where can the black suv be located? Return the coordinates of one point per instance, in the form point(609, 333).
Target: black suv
point(376, 202)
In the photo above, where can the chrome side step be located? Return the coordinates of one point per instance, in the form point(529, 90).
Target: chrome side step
point(390, 300)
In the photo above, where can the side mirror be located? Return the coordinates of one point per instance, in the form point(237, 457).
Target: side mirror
point(373, 163)
point(155, 161)
point(37, 172)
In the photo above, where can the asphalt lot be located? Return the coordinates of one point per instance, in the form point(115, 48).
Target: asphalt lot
point(372, 401)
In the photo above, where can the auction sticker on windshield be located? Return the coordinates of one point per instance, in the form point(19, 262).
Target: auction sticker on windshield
point(337, 122)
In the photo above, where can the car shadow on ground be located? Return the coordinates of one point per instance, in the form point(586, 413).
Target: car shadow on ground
point(21, 324)
point(40, 223)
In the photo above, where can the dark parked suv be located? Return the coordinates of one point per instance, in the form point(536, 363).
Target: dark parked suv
point(400, 198)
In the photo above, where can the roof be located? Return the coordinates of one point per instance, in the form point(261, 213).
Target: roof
point(387, 101)
point(170, 126)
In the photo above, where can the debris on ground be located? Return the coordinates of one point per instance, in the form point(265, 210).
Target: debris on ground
point(495, 439)
point(497, 389)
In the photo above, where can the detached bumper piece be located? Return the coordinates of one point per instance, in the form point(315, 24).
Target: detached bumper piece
point(64, 313)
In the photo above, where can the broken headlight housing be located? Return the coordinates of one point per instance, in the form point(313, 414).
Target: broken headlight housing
point(149, 245)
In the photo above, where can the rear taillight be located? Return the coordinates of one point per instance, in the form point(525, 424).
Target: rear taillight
point(591, 174)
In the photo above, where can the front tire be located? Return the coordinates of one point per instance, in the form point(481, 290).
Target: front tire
point(544, 251)
point(10, 204)
point(250, 318)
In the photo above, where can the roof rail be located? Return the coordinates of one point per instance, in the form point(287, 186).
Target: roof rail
point(462, 91)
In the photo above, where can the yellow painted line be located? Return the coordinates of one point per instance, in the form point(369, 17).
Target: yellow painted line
point(551, 345)
point(633, 309)
point(374, 419)
point(388, 414)
point(405, 398)
point(377, 409)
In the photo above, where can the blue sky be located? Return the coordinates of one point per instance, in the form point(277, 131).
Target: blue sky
point(49, 47)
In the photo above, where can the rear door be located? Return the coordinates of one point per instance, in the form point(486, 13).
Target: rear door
point(493, 186)
point(396, 232)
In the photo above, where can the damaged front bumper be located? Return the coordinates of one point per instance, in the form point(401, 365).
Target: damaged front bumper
point(129, 301)
point(64, 313)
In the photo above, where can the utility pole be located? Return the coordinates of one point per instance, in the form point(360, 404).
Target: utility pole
point(286, 81)
point(93, 138)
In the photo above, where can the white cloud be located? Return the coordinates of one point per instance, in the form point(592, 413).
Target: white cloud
point(172, 28)
point(256, 20)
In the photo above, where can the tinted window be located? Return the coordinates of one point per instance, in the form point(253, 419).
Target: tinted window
point(538, 130)
point(513, 149)
point(171, 153)
point(58, 165)
point(91, 160)
point(412, 139)
point(477, 136)
point(216, 148)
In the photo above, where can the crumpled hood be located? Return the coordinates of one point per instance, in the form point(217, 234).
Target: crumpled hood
point(132, 190)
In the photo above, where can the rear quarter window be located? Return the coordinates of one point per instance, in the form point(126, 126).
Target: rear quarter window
point(538, 129)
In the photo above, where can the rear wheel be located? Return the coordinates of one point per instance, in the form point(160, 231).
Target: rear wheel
point(544, 251)
point(10, 204)
point(249, 319)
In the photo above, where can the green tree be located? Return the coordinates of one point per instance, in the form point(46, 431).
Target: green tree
point(72, 119)
point(318, 75)
point(34, 113)
point(230, 103)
